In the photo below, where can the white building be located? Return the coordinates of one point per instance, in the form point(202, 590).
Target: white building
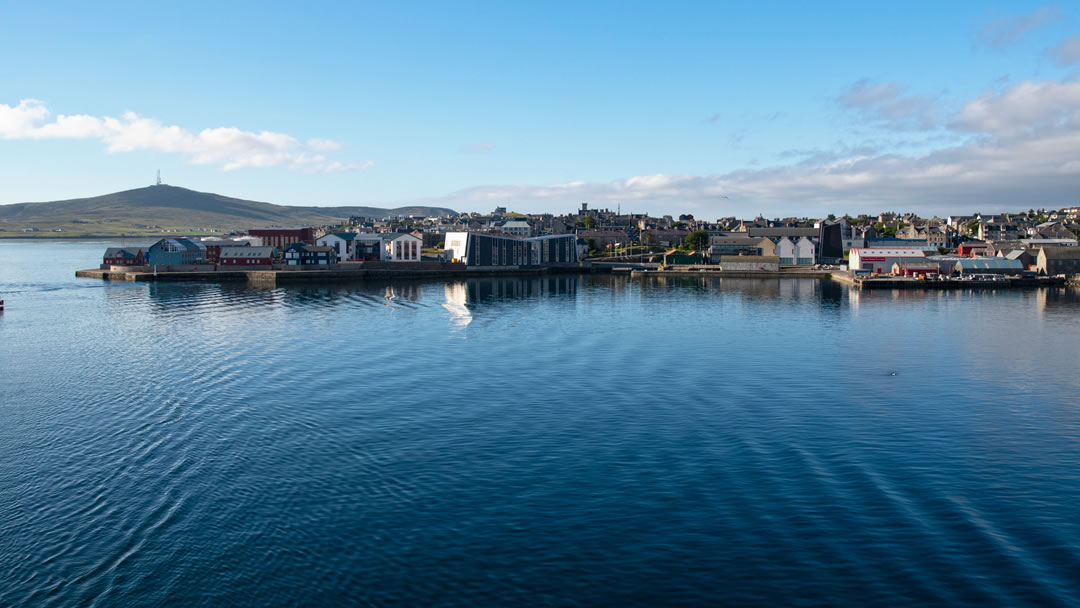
point(802, 252)
point(400, 247)
point(384, 247)
point(342, 242)
point(517, 228)
point(881, 260)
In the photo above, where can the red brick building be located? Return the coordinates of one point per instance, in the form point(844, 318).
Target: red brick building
point(281, 238)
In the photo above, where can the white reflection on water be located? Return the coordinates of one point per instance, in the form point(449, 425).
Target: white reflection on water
point(456, 295)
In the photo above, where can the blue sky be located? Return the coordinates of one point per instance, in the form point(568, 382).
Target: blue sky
point(777, 108)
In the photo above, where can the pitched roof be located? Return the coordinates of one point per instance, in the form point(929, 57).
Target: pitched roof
point(345, 236)
point(894, 252)
point(918, 265)
point(112, 252)
point(990, 264)
point(224, 243)
point(1061, 253)
point(763, 259)
point(240, 251)
point(734, 240)
point(760, 232)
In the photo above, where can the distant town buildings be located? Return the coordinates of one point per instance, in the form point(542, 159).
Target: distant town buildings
point(890, 242)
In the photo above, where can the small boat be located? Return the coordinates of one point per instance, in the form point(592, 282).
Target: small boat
point(1, 306)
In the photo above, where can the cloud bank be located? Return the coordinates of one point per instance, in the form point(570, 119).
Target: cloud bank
point(227, 147)
point(1010, 148)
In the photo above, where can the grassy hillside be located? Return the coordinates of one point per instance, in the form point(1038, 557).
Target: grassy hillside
point(155, 209)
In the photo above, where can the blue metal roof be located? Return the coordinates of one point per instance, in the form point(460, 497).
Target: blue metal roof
point(990, 264)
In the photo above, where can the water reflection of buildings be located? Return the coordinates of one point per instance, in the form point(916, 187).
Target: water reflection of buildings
point(221, 296)
point(465, 298)
point(779, 288)
point(1063, 301)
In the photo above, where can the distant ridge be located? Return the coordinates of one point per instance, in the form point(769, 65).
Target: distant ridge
point(175, 208)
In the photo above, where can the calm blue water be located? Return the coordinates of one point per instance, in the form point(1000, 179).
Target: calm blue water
point(559, 441)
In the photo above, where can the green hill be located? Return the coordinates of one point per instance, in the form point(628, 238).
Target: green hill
point(155, 209)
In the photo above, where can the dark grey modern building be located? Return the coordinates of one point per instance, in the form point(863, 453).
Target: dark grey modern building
point(477, 249)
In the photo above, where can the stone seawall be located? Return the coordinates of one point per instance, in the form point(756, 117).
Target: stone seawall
point(305, 276)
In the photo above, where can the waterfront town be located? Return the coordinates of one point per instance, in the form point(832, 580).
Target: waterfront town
point(1027, 244)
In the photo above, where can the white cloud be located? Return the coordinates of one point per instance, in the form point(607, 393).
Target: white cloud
point(1025, 108)
point(1005, 31)
point(1011, 149)
point(1067, 52)
point(227, 147)
point(885, 105)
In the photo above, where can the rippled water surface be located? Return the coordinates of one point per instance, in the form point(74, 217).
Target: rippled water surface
point(558, 441)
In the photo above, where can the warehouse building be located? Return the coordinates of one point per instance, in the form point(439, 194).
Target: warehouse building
point(988, 265)
point(916, 269)
point(1058, 260)
point(946, 263)
point(176, 252)
point(740, 245)
point(880, 261)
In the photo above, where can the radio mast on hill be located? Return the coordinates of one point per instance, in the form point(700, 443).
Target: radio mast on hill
point(158, 178)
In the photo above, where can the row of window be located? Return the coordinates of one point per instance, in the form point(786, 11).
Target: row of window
point(407, 250)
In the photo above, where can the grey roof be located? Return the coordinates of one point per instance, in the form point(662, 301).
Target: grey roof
point(734, 240)
point(546, 237)
point(921, 264)
point(280, 228)
point(389, 236)
point(1061, 253)
point(989, 264)
point(241, 251)
point(186, 243)
point(225, 243)
point(112, 252)
point(764, 259)
point(760, 232)
point(345, 236)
